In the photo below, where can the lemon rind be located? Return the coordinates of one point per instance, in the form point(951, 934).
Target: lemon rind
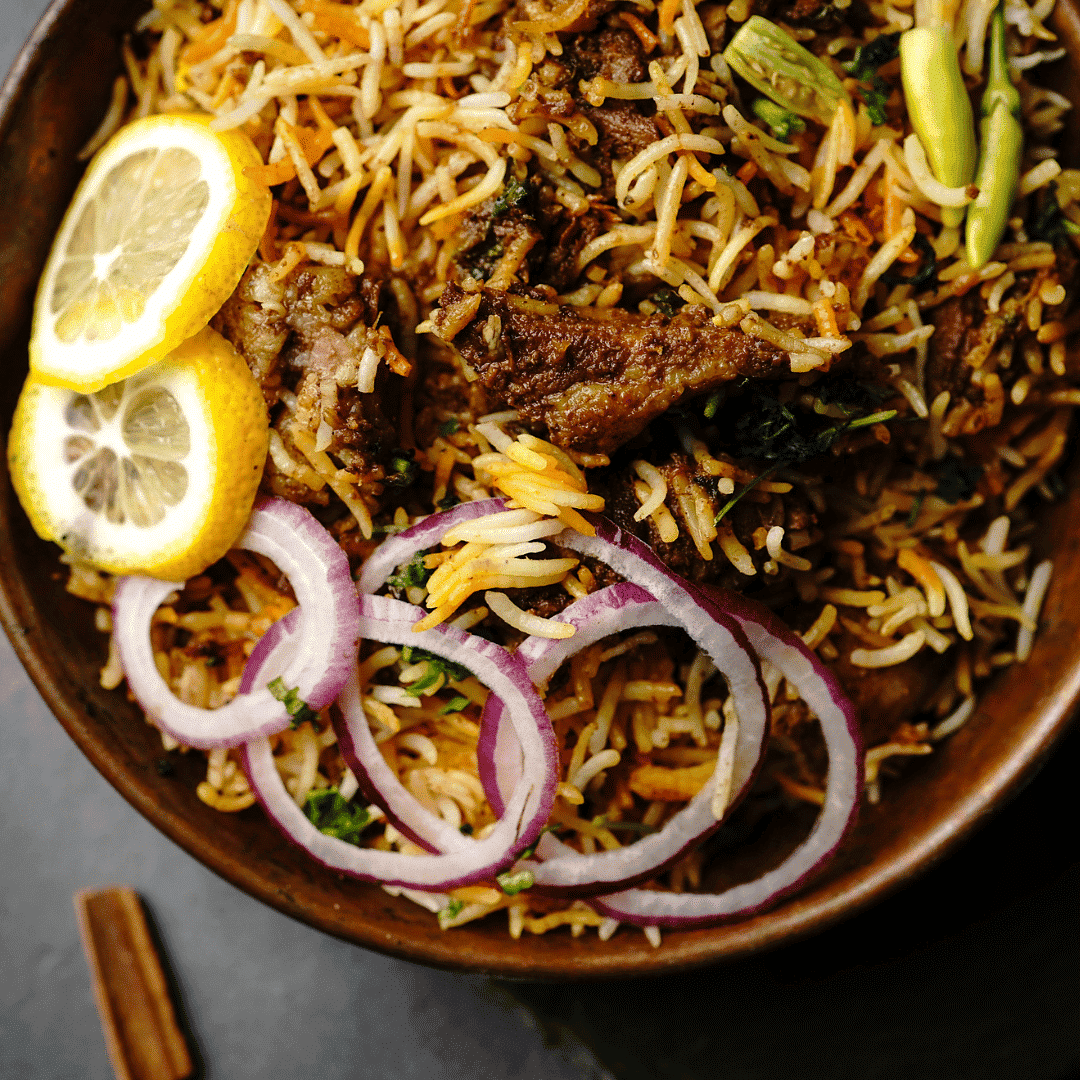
point(233, 225)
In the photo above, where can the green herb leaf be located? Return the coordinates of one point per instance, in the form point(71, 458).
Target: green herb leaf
point(403, 469)
point(765, 428)
point(449, 427)
point(783, 122)
point(414, 574)
point(330, 813)
point(667, 302)
point(864, 67)
point(449, 913)
point(513, 193)
point(290, 698)
point(454, 705)
point(1049, 223)
point(514, 881)
point(439, 670)
point(868, 58)
point(916, 507)
point(851, 396)
point(712, 404)
point(926, 276)
point(956, 482)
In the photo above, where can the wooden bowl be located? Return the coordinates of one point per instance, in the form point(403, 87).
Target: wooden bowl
point(50, 104)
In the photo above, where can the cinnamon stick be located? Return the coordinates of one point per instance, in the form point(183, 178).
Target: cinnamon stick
point(137, 1016)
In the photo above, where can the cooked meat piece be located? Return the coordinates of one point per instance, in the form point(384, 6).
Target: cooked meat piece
point(253, 319)
point(594, 382)
point(552, 235)
point(623, 132)
point(622, 127)
point(613, 54)
point(683, 475)
point(945, 368)
point(305, 334)
point(886, 697)
point(966, 334)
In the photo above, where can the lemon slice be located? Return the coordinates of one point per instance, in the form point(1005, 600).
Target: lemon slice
point(153, 475)
point(154, 242)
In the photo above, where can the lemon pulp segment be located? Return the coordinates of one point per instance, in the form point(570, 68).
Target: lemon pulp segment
point(155, 240)
point(155, 474)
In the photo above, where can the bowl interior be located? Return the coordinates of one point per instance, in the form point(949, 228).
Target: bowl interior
point(51, 103)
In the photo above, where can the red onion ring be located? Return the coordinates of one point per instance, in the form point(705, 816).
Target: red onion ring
point(396, 550)
point(772, 640)
point(497, 750)
point(529, 804)
point(617, 608)
point(322, 652)
point(777, 644)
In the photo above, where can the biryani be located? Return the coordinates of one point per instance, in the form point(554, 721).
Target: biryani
point(700, 269)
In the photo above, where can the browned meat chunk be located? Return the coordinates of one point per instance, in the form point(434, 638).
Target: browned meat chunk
point(946, 369)
point(551, 236)
point(623, 129)
point(305, 335)
point(595, 382)
point(886, 697)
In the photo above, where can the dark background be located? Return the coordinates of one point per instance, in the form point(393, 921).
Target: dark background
point(968, 974)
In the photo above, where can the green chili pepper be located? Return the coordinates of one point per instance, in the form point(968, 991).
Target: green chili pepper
point(1002, 139)
point(774, 63)
point(939, 107)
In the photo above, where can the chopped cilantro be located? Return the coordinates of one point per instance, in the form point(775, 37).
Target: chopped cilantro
point(666, 301)
point(765, 428)
point(956, 481)
point(449, 913)
point(868, 58)
point(1049, 223)
point(514, 881)
point(513, 193)
point(448, 500)
point(299, 710)
point(413, 574)
point(403, 469)
point(454, 705)
point(712, 404)
point(331, 814)
point(875, 90)
point(466, 828)
point(439, 670)
point(783, 122)
point(926, 276)
point(449, 427)
point(916, 507)
point(851, 396)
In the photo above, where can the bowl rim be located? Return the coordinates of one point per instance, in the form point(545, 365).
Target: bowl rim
point(806, 912)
